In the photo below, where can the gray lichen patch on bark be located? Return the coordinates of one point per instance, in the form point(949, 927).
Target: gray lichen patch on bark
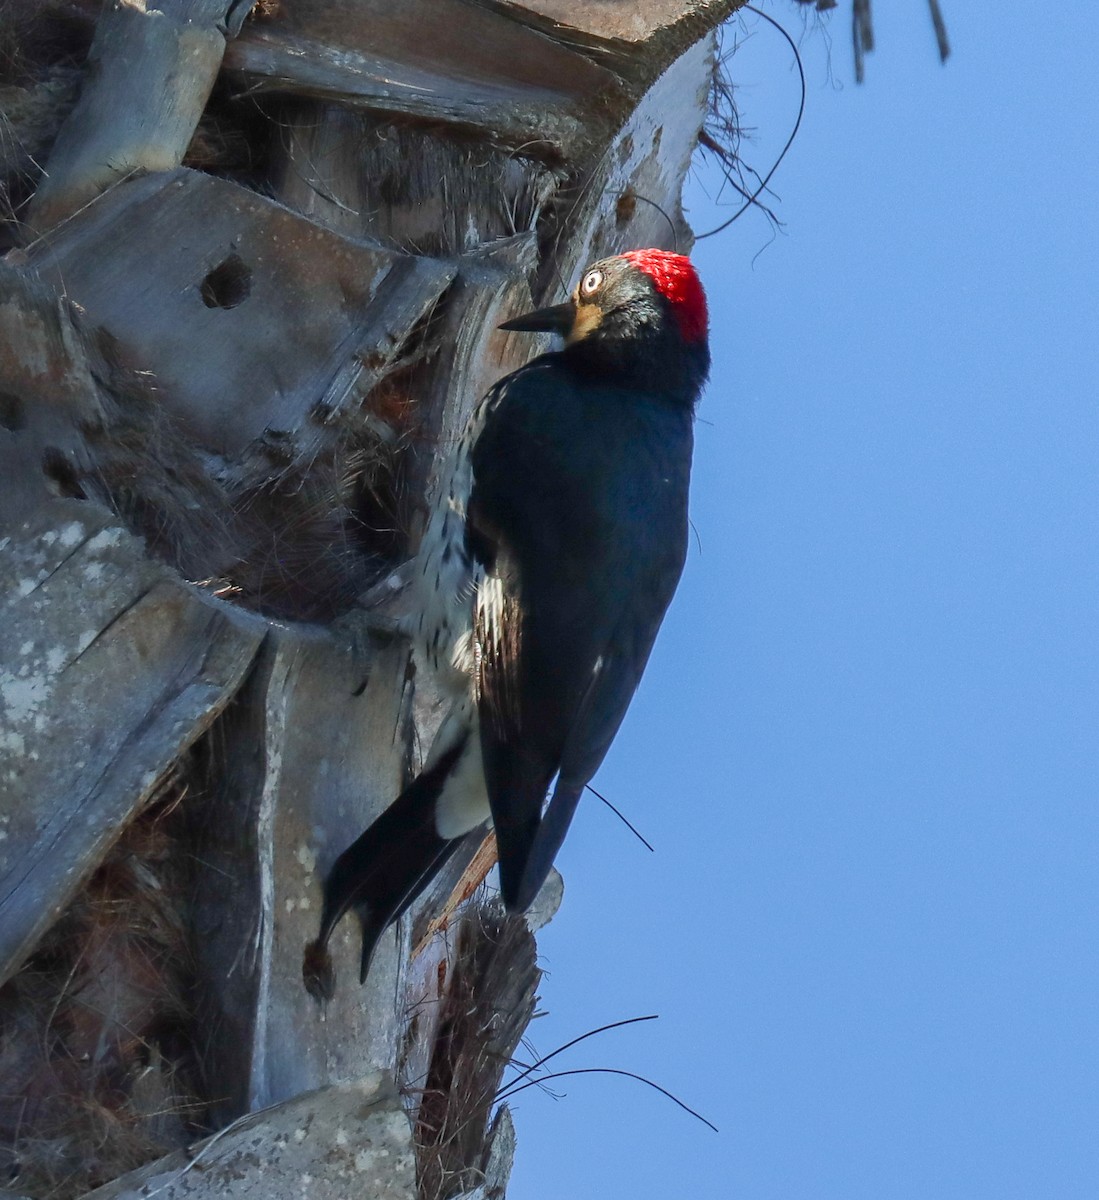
point(346, 1140)
point(90, 617)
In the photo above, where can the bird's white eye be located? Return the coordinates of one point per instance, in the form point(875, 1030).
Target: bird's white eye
point(592, 282)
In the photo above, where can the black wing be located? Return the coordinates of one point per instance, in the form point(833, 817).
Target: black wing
point(579, 513)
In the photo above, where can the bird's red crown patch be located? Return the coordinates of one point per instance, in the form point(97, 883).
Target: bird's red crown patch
point(675, 278)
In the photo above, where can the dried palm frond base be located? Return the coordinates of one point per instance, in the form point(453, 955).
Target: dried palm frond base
point(96, 1067)
point(488, 1004)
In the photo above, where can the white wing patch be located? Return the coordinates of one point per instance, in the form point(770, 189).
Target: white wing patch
point(490, 609)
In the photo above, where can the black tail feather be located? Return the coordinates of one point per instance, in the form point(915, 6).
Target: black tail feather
point(374, 923)
point(382, 872)
point(527, 855)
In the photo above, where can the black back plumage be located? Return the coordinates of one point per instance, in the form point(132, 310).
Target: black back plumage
point(579, 514)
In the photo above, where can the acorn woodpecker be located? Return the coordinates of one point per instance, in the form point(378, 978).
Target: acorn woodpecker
point(541, 582)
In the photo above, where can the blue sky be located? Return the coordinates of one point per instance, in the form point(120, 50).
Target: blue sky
point(866, 747)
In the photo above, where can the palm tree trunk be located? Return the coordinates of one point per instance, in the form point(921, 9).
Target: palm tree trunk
point(256, 296)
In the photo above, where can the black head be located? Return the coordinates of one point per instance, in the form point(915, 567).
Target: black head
point(639, 318)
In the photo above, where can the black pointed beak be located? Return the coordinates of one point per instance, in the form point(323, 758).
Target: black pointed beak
point(558, 319)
